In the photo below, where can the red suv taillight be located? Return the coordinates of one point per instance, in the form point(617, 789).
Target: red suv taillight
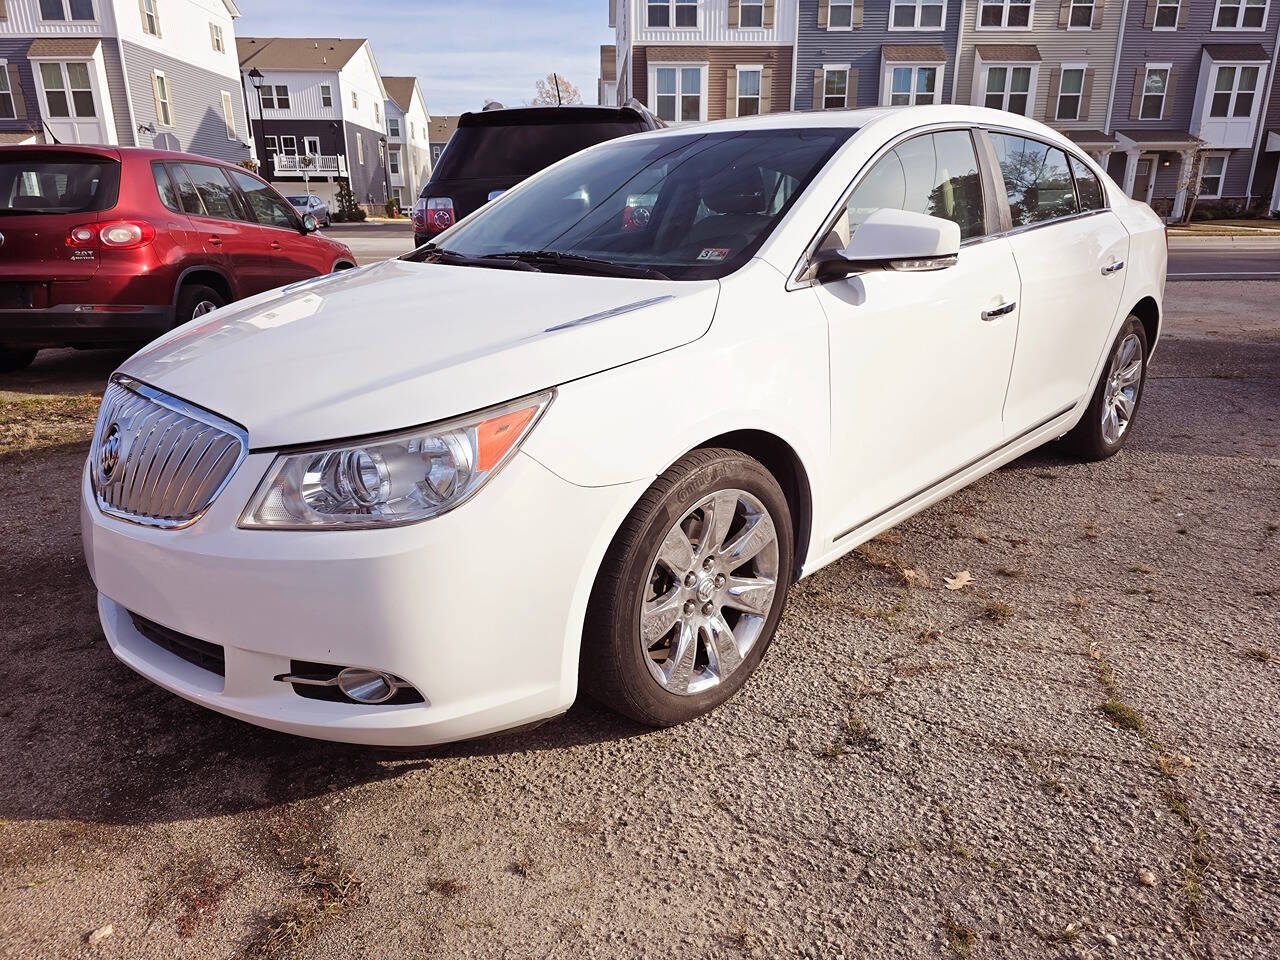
point(118, 235)
point(439, 214)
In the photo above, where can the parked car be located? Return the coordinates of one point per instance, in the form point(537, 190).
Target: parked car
point(493, 150)
point(609, 448)
point(112, 246)
point(305, 203)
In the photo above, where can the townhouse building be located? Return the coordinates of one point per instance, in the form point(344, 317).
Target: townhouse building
point(607, 83)
point(317, 106)
point(127, 73)
point(441, 131)
point(1191, 84)
point(408, 139)
point(691, 60)
point(852, 53)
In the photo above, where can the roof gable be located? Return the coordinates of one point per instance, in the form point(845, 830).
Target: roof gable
point(297, 53)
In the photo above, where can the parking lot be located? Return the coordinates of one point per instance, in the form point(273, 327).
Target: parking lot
point(1074, 755)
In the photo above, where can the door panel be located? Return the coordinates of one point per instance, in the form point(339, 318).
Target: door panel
point(293, 253)
point(216, 215)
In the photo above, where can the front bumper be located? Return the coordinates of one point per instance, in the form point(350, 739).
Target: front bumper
point(83, 325)
point(480, 609)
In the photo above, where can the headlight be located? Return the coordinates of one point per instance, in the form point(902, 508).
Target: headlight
point(395, 479)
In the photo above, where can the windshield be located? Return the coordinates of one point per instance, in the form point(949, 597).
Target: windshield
point(57, 183)
point(694, 206)
point(516, 151)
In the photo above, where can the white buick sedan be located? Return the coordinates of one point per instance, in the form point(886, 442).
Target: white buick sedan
point(590, 436)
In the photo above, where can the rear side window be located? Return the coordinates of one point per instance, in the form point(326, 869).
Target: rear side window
point(215, 192)
point(1036, 179)
point(1088, 187)
point(268, 207)
point(936, 174)
point(518, 151)
point(164, 187)
point(34, 182)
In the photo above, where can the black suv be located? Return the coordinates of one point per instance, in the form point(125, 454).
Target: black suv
point(493, 150)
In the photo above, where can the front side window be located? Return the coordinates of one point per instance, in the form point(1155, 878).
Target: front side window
point(1070, 93)
point(1036, 179)
point(164, 104)
point(1008, 88)
point(835, 89)
point(7, 108)
point(1166, 14)
point(751, 14)
point(1213, 171)
point(150, 17)
point(748, 92)
point(712, 199)
point(916, 14)
point(268, 207)
point(1155, 85)
point(678, 93)
point(840, 14)
point(1240, 15)
point(913, 85)
point(67, 89)
point(1005, 14)
point(935, 174)
point(1088, 187)
point(1080, 16)
point(1233, 92)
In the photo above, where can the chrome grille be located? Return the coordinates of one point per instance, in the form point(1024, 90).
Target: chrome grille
point(158, 460)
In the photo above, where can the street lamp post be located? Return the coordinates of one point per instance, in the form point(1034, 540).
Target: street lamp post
point(257, 79)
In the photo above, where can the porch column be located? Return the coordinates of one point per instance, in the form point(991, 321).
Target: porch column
point(1130, 169)
point(1184, 182)
point(1275, 192)
point(1102, 156)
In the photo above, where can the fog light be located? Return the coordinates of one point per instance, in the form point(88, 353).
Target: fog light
point(366, 686)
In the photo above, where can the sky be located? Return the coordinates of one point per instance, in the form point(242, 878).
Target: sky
point(463, 52)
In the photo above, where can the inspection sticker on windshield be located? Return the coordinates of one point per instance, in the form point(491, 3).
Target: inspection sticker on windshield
point(713, 253)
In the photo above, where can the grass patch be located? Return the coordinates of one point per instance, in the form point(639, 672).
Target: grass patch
point(1261, 654)
point(961, 938)
point(1013, 573)
point(1142, 568)
point(329, 889)
point(1122, 715)
point(445, 887)
point(997, 611)
point(38, 421)
point(522, 866)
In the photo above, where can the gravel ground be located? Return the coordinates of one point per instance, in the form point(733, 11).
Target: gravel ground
point(1074, 755)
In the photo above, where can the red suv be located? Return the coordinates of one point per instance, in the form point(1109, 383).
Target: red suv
point(106, 246)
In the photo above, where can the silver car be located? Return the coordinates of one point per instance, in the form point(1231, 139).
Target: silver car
point(306, 203)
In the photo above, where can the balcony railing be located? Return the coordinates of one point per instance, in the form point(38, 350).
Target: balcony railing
point(315, 165)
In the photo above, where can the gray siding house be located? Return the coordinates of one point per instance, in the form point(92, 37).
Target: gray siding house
point(1191, 83)
point(869, 53)
point(122, 72)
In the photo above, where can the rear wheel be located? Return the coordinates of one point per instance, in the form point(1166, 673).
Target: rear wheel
point(15, 359)
point(691, 591)
point(195, 301)
point(1109, 420)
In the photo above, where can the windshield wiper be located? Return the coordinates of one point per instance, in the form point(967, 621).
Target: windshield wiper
point(433, 254)
point(607, 268)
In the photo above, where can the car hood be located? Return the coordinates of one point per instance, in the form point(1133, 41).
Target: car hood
point(399, 344)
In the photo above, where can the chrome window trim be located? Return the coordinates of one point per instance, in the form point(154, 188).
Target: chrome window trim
point(186, 409)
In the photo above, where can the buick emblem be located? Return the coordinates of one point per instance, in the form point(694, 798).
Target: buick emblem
point(1, 239)
point(109, 455)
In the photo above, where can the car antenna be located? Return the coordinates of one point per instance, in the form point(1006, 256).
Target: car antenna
point(556, 78)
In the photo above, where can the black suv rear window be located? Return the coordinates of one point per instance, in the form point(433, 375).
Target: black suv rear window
point(34, 182)
point(486, 152)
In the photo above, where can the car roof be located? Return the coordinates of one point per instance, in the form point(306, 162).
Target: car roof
point(569, 113)
point(118, 153)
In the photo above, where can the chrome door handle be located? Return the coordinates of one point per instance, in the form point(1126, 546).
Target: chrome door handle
point(1001, 311)
point(1113, 268)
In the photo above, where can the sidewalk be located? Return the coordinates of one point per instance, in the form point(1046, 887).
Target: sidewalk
point(1226, 228)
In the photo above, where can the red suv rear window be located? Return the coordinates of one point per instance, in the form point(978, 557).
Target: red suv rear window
point(34, 182)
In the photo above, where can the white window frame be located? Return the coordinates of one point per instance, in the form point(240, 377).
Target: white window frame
point(7, 92)
point(757, 68)
point(1241, 6)
point(158, 80)
point(755, 4)
point(1239, 69)
point(1147, 68)
point(833, 68)
point(844, 5)
point(73, 113)
point(918, 6)
point(1033, 83)
point(1071, 14)
point(355, 100)
point(270, 145)
point(886, 82)
point(377, 113)
point(359, 149)
point(306, 146)
point(1225, 157)
point(1176, 6)
point(1004, 14)
point(1057, 103)
point(393, 131)
point(393, 161)
point(672, 9)
point(326, 93)
point(701, 67)
point(288, 145)
point(150, 18)
point(229, 115)
point(216, 38)
point(271, 96)
point(66, 13)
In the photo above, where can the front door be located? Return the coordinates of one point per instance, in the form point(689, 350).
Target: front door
point(919, 361)
point(1144, 179)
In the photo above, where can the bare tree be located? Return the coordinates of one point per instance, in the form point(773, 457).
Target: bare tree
point(554, 91)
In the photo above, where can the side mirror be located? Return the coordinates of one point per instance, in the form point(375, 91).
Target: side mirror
point(893, 240)
point(309, 223)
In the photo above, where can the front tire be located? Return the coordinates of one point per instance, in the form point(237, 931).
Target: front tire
point(691, 590)
point(1108, 421)
point(11, 360)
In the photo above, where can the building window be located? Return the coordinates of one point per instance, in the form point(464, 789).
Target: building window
point(1080, 16)
point(1154, 87)
point(150, 16)
point(913, 86)
point(751, 13)
point(1010, 14)
point(686, 13)
point(748, 91)
point(413, 134)
point(840, 15)
point(215, 38)
point(678, 93)
point(164, 104)
point(355, 100)
point(1233, 92)
point(1070, 93)
point(393, 126)
point(289, 146)
point(835, 88)
point(67, 10)
point(1240, 15)
point(1166, 16)
point(67, 90)
point(7, 108)
point(271, 145)
point(275, 97)
point(359, 149)
point(916, 15)
point(311, 146)
point(1213, 173)
point(229, 115)
point(377, 113)
point(1008, 88)
point(393, 160)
